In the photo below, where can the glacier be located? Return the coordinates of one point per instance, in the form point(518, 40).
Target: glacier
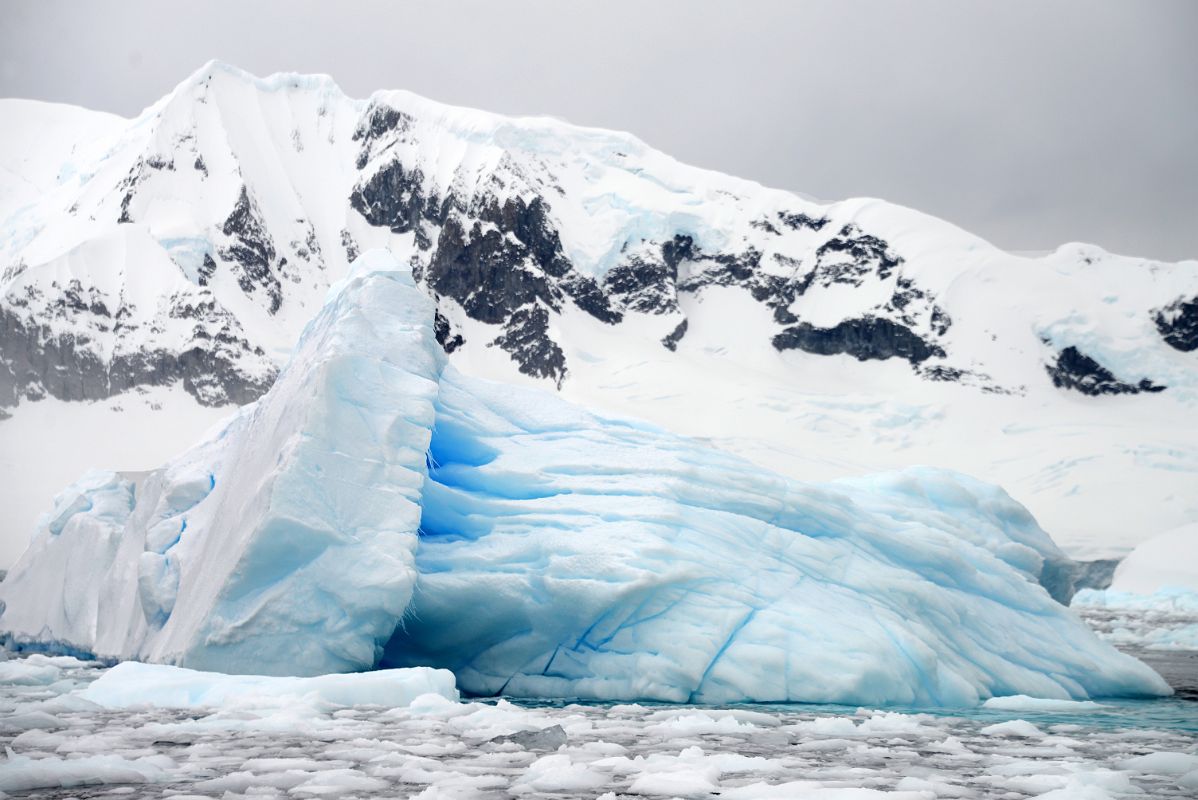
point(379, 508)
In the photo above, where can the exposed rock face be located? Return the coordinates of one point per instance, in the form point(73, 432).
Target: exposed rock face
point(446, 337)
point(1178, 324)
point(253, 252)
point(648, 282)
point(864, 339)
point(495, 252)
point(394, 198)
point(528, 341)
point(851, 256)
point(671, 340)
point(1076, 370)
point(37, 361)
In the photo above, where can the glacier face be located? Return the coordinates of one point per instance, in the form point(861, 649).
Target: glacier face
point(379, 507)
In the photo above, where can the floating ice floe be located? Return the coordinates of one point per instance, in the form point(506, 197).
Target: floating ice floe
point(377, 508)
point(132, 684)
point(1024, 703)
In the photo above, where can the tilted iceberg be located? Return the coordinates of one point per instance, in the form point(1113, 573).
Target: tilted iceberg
point(284, 543)
point(377, 507)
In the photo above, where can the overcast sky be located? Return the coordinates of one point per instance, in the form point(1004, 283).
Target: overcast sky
point(1030, 123)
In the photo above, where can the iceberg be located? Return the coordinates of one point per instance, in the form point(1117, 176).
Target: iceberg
point(377, 508)
point(1152, 602)
point(284, 542)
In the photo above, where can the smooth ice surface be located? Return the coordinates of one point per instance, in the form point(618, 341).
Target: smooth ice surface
point(375, 496)
point(132, 684)
point(436, 748)
point(1022, 702)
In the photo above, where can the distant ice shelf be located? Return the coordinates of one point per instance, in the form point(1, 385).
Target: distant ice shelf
point(379, 508)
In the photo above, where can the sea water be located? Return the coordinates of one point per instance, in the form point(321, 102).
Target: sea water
point(62, 745)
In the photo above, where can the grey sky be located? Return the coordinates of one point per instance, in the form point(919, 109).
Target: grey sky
point(1031, 123)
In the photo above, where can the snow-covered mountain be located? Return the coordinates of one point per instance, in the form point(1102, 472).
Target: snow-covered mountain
point(156, 271)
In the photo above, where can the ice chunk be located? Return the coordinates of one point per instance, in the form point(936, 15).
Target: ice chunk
point(133, 684)
point(26, 673)
point(1022, 702)
point(557, 773)
point(22, 774)
point(550, 738)
point(1162, 763)
point(1018, 728)
point(673, 784)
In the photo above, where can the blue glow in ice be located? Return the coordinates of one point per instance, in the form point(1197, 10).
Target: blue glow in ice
point(380, 507)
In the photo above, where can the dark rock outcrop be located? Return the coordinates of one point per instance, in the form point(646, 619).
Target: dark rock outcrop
point(500, 261)
point(36, 361)
point(394, 198)
point(648, 283)
point(671, 340)
point(527, 341)
point(1075, 370)
point(1178, 324)
point(252, 250)
point(850, 256)
point(446, 337)
point(864, 339)
point(379, 121)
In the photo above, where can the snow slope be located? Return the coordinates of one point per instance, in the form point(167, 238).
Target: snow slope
point(188, 247)
point(376, 506)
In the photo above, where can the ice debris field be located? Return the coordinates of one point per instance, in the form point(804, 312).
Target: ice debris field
point(378, 508)
point(74, 729)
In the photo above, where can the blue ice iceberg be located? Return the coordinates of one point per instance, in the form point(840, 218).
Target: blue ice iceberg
point(377, 507)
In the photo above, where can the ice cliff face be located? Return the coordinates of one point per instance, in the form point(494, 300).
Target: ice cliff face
point(284, 539)
point(378, 507)
point(188, 247)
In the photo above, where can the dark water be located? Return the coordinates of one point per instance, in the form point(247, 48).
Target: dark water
point(1178, 667)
